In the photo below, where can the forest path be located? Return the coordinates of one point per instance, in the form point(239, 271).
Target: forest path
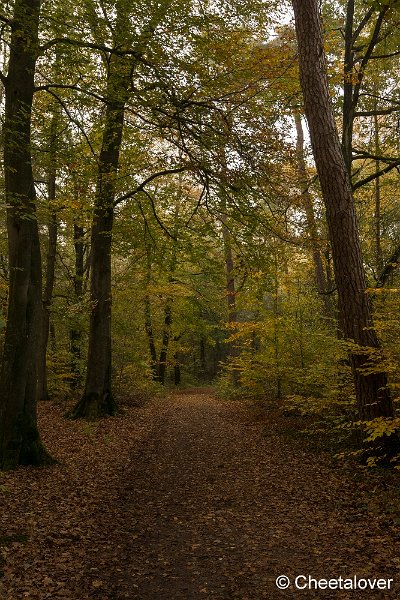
point(188, 497)
point(217, 506)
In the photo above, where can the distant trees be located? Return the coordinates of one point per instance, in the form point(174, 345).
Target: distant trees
point(149, 150)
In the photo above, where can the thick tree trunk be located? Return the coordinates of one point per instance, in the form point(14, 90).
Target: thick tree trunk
point(19, 437)
point(372, 393)
point(97, 399)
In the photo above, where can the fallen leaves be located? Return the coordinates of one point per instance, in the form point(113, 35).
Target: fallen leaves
point(183, 498)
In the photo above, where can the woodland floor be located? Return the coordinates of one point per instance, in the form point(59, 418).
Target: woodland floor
point(191, 497)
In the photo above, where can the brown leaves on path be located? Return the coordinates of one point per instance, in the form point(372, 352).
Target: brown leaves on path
point(188, 497)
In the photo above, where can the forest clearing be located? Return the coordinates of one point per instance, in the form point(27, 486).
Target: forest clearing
point(199, 299)
point(191, 497)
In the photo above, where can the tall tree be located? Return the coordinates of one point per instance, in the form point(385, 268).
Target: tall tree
point(320, 276)
point(98, 398)
point(48, 286)
point(372, 392)
point(19, 436)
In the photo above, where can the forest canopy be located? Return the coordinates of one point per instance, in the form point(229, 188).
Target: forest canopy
point(200, 193)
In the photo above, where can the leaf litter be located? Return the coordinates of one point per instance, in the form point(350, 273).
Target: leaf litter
point(189, 497)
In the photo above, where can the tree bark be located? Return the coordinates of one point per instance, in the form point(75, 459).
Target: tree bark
point(373, 397)
point(19, 436)
point(352, 79)
point(166, 335)
point(232, 347)
point(319, 272)
point(75, 334)
point(377, 212)
point(97, 399)
point(150, 336)
point(147, 316)
point(43, 393)
point(162, 362)
point(348, 85)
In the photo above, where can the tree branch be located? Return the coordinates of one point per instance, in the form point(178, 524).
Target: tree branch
point(92, 46)
point(390, 55)
point(391, 265)
point(371, 113)
point(374, 176)
point(371, 46)
point(73, 120)
point(362, 24)
point(48, 87)
point(140, 188)
point(362, 154)
point(161, 224)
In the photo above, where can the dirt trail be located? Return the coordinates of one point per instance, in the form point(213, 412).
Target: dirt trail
point(210, 501)
point(217, 507)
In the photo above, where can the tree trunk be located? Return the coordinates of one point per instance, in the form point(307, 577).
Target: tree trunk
point(162, 363)
point(319, 272)
point(377, 212)
point(166, 335)
point(348, 86)
point(19, 436)
point(147, 316)
point(43, 393)
point(75, 334)
point(150, 336)
point(373, 397)
point(177, 371)
point(97, 399)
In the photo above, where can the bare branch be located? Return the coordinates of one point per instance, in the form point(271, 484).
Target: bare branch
point(362, 24)
point(48, 87)
point(80, 44)
point(371, 46)
point(161, 224)
point(73, 120)
point(362, 154)
point(390, 55)
point(371, 113)
point(141, 187)
point(374, 176)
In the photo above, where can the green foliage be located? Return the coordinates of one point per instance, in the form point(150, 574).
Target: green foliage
point(133, 383)
point(59, 375)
